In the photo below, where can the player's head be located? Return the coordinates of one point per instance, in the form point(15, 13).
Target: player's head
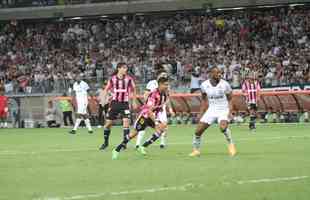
point(251, 76)
point(50, 104)
point(162, 74)
point(215, 73)
point(163, 83)
point(78, 77)
point(121, 68)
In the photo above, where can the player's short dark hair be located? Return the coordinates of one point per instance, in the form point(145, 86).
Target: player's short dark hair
point(213, 67)
point(162, 80)
point(121, 64)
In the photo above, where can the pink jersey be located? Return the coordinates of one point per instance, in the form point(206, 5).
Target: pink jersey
point(155, 103)
point(121, 88)
point(251, 90)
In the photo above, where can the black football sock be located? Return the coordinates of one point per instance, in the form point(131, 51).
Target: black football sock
point(107, 133)
point(154, 137)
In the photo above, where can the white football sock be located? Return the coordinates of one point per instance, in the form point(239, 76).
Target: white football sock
point(87, 122)
point(163, 139)
point(196, 142)
point(140, 138)
point(77, 123)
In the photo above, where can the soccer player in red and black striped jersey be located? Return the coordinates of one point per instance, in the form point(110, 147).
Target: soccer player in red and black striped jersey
point(122, 87)
point(251, 90)
point(149, 117)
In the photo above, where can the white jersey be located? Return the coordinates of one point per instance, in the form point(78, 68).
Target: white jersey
point(216, 94)
point(81, 91)
point(152, 85)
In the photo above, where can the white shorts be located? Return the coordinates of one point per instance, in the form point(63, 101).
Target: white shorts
point(82, 108)
point(211, 116)
point(162, 116)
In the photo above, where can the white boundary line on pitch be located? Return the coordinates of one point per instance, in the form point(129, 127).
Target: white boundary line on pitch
point(142, 191)
point(171, 188)
point(268, 180)
point(8, 152)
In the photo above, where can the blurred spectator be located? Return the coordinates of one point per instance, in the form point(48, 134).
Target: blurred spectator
point(178, 117)
point(103, 100)
point(50, 116)
point(186, 117)
point(66, 108)
point(196, 80)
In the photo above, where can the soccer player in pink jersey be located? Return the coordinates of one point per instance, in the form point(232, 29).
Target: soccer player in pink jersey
point(148, 117)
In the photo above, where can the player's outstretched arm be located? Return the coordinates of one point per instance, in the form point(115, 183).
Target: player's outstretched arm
point(204, 104)
point(134, 96)
point(229, 98)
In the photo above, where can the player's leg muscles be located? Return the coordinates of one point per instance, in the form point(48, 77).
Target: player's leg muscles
point(201, 127)
point(226, 131)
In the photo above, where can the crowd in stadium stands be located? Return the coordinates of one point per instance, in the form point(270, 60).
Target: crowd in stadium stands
point(45, 56)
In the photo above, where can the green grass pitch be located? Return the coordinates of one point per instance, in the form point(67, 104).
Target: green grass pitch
point(50, 164)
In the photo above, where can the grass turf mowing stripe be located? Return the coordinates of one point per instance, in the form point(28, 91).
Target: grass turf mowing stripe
point(7, 153)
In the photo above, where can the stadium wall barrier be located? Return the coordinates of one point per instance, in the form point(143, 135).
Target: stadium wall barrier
point(33, 108)
point(283, 101)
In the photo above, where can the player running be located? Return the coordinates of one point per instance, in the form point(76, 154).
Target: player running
point(149, 116)
point(3, 108)
point(80, 88)
point(251, 90)
point(121, 86)
point(162, 115)
point(216, 106)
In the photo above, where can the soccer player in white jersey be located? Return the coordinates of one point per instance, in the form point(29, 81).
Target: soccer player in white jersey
point(216, 106)
point(162, 115)
point(80, 88)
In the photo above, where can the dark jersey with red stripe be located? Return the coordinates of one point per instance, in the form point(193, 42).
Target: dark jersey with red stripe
point(121, 88)
point(251, 89)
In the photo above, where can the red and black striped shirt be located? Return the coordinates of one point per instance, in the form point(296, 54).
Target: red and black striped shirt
point(121, 88)
point(251, 90)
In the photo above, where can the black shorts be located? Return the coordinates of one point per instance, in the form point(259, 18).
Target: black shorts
point(118, 108)
point(252, 106)
point(142, 123)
